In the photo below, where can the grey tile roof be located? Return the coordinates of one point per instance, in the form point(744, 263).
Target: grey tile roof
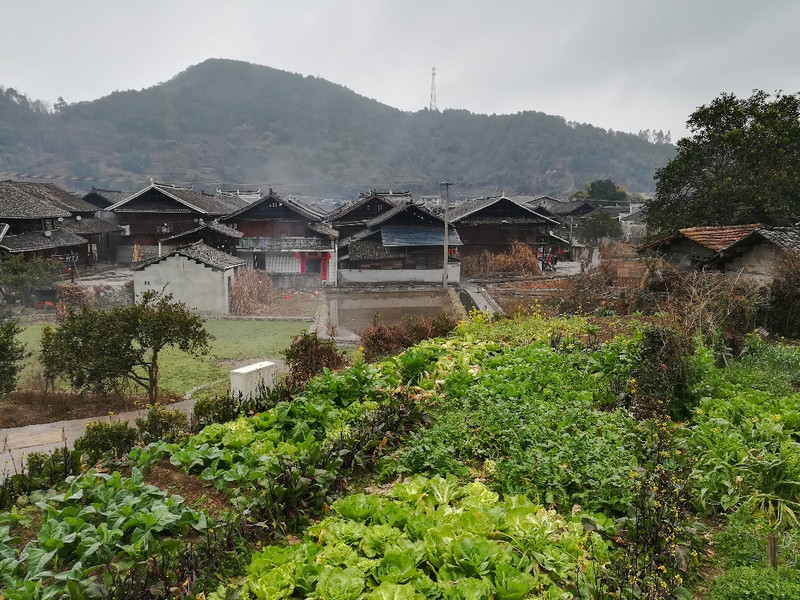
point(20, 200)
point(292, 205)
point(39, 240)
point(201, 253)
point(324, 229)
point(366, 199)
point(213, 226)
point(109, 196)
point(471, 207)
point(418, 235)
point(193, 201)
point(785, 238)
point(89, 226)
point(373, 250)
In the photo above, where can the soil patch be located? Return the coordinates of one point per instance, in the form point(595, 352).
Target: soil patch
point(30, 407)
point(197, 494)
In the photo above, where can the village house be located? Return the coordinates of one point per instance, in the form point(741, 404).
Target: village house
point(42, 220)
point(352, 218)
point(197, 275)
point(213, 234)
point(696, 247)
point(494, 224)
point(404, 244)
point(287, 240)
point(757, 256)
point(160, 210)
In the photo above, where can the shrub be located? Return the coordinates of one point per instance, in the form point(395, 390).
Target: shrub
point(222, 409)
point(380, 340)
point(309, 355)
point(71, 295)
point(660, 374)
point(112, 439)
point(751, 582)
point(783, 315)
point(42, 471)
point(162, 424)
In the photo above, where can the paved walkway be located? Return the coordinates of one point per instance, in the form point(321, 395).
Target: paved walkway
point(16, 442)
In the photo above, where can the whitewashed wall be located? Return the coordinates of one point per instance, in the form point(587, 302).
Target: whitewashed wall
point(200, 287)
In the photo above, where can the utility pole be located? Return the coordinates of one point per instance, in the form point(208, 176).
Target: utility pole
point(432, 106)
point(446, 185)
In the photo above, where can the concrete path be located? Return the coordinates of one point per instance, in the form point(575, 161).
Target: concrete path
point(16, 442)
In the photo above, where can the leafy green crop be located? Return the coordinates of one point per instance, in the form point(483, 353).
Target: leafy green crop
point(474, 546)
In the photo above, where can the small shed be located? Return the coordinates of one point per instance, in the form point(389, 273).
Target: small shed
point(197, 275)
point(696, 247)
point(757, 257)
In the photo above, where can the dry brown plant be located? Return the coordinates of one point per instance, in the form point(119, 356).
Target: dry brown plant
point(251, 292)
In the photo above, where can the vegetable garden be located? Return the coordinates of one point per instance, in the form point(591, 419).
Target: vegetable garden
point(517, 459)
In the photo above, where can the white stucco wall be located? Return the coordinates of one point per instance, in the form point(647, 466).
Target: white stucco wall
point(200, 287)
point(247, 380)
point(383, 276)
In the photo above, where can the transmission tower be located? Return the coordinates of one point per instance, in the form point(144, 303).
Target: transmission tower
point(433, 89)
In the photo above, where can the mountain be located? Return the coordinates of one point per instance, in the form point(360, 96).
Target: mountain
point(240, 123)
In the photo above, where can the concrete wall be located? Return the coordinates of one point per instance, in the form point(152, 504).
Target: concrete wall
point(200, 287)
point(387, 276)
point(247, 380)
point(296, 281)
point(757, 265)
point(683, 253)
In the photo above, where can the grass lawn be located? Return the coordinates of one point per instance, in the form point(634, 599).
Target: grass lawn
point(234, 343)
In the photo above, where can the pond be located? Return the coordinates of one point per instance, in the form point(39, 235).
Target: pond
point(352, 312)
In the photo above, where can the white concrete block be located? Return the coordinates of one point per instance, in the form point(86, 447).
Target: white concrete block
point(246, 380)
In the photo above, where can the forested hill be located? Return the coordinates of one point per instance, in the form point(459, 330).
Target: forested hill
point(235, 122)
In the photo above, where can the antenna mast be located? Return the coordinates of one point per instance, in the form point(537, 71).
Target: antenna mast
point(433, 89)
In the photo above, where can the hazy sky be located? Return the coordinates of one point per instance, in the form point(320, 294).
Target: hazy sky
point(620, 64)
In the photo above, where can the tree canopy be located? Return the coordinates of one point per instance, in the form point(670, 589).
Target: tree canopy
point(19, 277)
point(741, 164)
point(598, 225)
point(12, 352)
point(96, 349)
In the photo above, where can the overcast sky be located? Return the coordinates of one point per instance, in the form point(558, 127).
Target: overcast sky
point(620, 64)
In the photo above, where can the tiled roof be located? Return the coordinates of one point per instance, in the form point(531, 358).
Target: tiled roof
point(785, 238)
point(372, 250)
point(19, 200)
point(365, 199)
point(324, 229)
point(418, 235)
point(195, 201)
point(110, 196)
point(303, 211)
point(715, 238)
point(89, 226)
point(470, 207)
point(213, 225)
point(39, 240)
point(201, 253)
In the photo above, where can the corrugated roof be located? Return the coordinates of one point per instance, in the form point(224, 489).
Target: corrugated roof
point(39, 240)
point(201, 253)
point(418, 235)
